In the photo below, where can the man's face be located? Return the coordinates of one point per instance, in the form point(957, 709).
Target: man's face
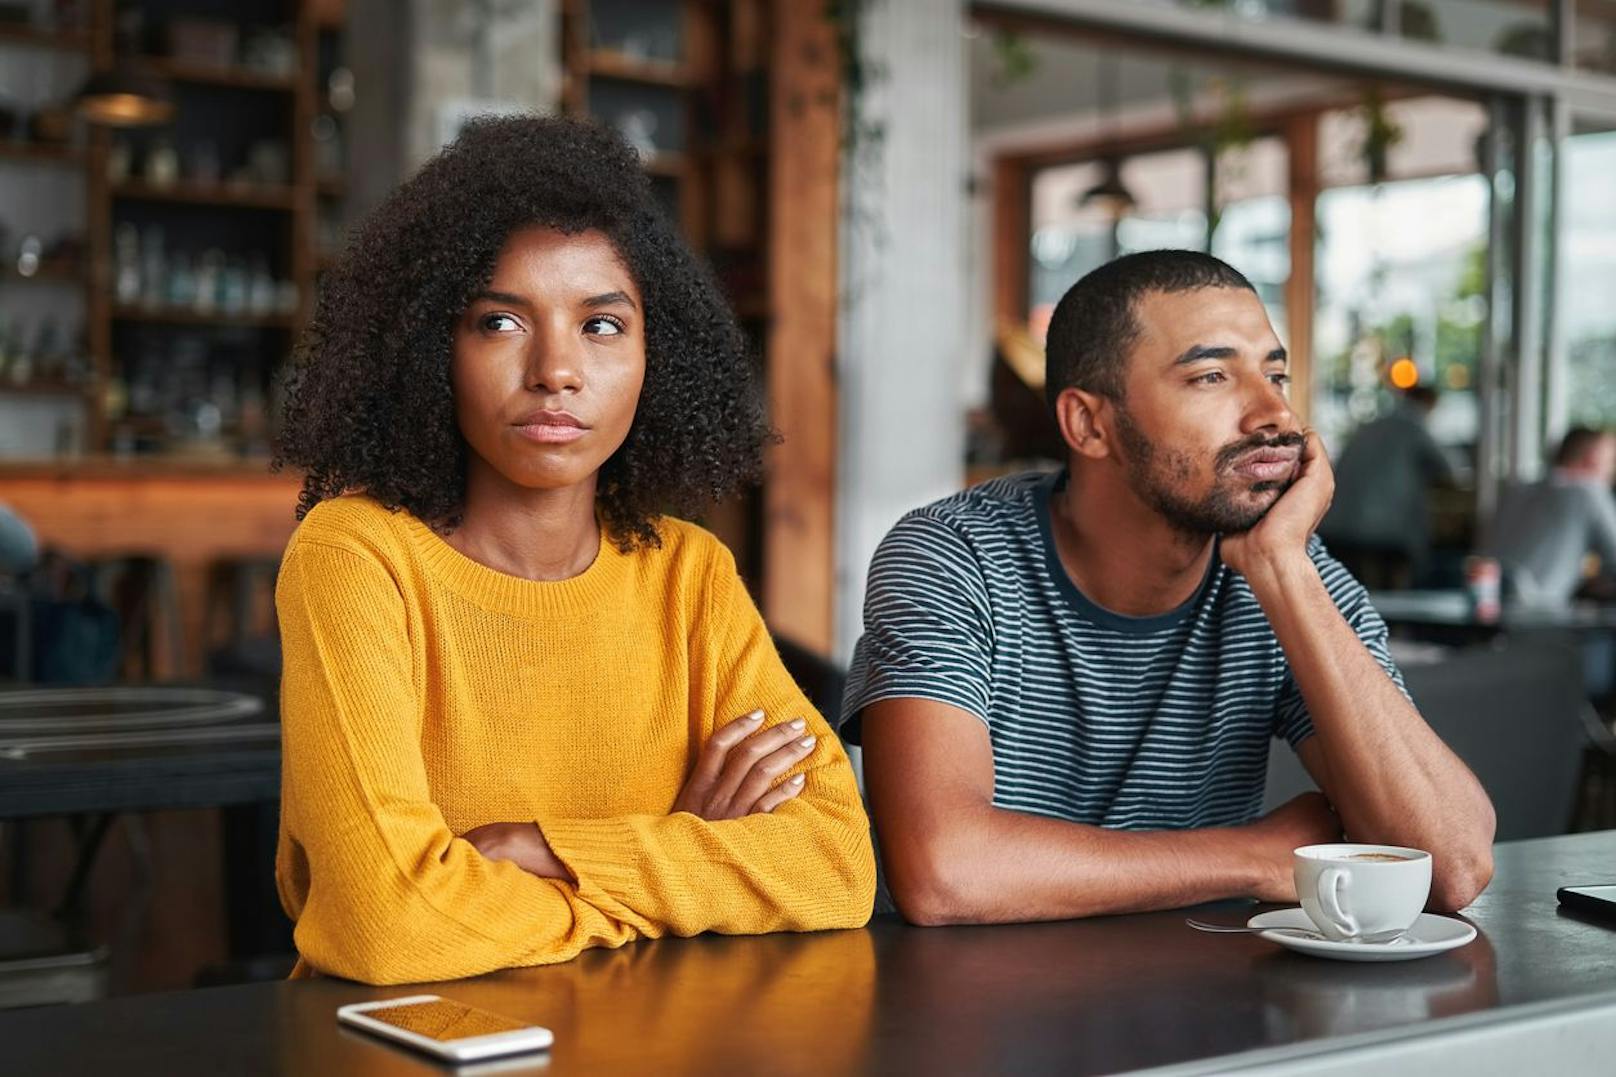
point(1205, 428)
point(1604, 459)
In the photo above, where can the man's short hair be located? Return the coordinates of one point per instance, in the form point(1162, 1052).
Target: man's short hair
point(1094, 326)
point(1578, 444)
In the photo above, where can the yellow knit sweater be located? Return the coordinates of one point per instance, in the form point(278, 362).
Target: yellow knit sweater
point(425, 694)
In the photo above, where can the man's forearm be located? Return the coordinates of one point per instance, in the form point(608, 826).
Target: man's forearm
point(998, 866)
point(1389, 776)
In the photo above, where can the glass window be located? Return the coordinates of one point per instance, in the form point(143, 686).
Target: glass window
point(1401, 275)
point(1521, 28)
point(1588, 235)
point(1254, 222)
point(1068, 238)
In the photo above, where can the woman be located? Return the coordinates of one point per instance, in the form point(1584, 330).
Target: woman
point(525, 712)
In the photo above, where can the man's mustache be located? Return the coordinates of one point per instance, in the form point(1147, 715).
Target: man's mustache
point(1230, 453)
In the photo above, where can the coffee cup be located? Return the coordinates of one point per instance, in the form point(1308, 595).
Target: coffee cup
point(1361, 893)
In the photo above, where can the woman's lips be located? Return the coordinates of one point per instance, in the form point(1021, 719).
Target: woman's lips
point(551, 433)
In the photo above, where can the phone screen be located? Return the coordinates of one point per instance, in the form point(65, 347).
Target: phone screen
point(1598, 893)
point(443, 1020)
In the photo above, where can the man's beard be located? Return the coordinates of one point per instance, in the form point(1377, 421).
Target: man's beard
point(1157, 478)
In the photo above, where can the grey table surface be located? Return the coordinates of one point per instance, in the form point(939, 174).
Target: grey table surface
point(1452, 609)
point(1095, 996)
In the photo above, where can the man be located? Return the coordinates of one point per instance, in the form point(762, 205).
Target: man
point(1543, 532)
point(1379, 525)
point(1068, 683)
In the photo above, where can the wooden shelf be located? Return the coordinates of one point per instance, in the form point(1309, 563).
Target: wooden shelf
point(63, 40)
point(181, 316)
point(45, 388)
point(239, 78)
point(608, 63)
point(668, 163)
point(41, 152)
point(253, 197)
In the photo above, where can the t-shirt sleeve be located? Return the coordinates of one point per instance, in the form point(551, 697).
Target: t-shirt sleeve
point(1292, 721)
point(928, 629)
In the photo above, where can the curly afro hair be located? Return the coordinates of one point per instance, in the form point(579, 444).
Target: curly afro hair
point(370, 404)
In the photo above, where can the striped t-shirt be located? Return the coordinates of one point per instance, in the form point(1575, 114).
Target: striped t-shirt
point(1135, 723)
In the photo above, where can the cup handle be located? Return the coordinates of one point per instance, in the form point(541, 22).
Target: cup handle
point(1332, 882)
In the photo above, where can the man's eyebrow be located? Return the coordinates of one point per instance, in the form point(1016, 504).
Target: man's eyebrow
point(1197, 352)
point(607, 299)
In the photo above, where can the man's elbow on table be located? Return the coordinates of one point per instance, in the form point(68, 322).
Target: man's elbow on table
point(1459, 875)
point(931, 881)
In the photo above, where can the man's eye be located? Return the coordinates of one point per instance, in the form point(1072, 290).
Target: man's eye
point(603, 326)
point(1209, 378)
point(1280, 380)
point(497, 323)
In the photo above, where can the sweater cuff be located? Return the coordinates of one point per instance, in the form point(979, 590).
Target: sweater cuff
point(602, 854)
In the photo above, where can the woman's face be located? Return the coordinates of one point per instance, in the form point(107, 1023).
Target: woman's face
point(549, 360)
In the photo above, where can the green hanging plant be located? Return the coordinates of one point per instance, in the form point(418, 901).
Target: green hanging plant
point(1014, 58)
point(1381, 133)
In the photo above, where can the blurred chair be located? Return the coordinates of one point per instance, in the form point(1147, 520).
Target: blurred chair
point(44, 961)
point(1515, 714)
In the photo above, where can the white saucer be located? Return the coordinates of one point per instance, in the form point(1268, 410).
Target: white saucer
point(1430, 934)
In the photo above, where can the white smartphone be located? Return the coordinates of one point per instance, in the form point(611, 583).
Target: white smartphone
point(444, 1028)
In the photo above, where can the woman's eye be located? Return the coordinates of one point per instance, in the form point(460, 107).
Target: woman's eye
point(497, 323)
point(603, 326)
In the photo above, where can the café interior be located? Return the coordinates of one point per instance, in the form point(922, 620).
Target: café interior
point(893, 195)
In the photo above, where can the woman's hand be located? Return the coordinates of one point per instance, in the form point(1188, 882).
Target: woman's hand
point(739, 765)
point(522, 844)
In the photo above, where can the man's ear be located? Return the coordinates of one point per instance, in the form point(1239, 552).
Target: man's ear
point(1084, 421)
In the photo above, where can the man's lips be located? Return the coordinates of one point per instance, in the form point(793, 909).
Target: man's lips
point(1268, 465)
point(550, 427)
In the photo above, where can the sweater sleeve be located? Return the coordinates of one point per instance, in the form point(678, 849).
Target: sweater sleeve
point(392, 895)
point(807, 866)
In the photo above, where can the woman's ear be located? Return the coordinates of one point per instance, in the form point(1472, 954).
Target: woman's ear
point(1083, 418)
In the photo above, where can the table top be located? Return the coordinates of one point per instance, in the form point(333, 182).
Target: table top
point(1452, 609)
point(1089, 996)
point(134, 748)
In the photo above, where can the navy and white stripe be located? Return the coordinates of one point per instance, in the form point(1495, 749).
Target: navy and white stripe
point(1137, 723)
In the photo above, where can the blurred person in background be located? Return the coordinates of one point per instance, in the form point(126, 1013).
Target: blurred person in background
point(1544, 531)
point(1379, 525)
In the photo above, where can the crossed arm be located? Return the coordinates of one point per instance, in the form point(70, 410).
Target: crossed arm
point(383, 890)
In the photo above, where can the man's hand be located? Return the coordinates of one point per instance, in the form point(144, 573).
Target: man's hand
point(739, 764)
point(522, 844)
point(1303, 820)
point(1284, 531)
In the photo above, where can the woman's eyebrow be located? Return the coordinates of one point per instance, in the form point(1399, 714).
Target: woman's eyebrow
point(508, 298)
point(608, 299)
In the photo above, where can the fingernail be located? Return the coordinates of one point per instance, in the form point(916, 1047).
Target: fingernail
point(755, 716)
point(797, 779)
point(798, 724)
point(807, 742)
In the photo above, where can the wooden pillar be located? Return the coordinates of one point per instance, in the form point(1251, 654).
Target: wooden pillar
point(1012, 230)
point(1302, 140)
point(805, 152)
